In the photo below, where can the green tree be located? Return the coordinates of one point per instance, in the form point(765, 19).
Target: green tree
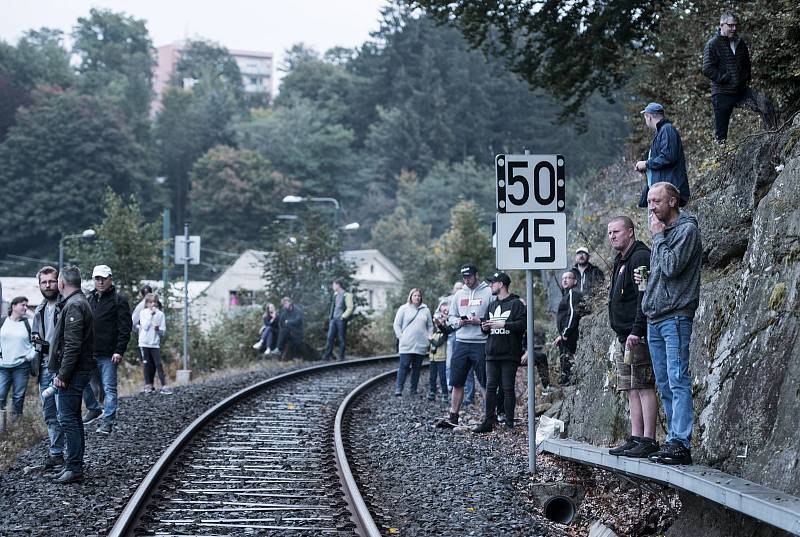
point(64, 151)
point(234, 193)
point(125, 241)
point(467, 241)
point(212, 65)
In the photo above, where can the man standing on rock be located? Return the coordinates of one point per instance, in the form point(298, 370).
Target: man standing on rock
point(567, 318)
point(671, 298)
point(631, 354)
point(590, 277)
point(726, 61)
point(665, 160)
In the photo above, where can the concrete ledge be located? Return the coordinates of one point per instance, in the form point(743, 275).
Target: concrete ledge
point(762, 503)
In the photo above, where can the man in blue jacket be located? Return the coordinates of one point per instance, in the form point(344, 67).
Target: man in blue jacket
point(665, 160)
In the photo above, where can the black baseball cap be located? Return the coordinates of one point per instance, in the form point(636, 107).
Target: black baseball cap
point(501, 277)
point(468, 269)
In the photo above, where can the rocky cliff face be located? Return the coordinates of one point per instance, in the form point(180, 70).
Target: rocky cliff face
point(745, 355)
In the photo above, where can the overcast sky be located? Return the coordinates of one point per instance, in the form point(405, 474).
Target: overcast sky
point(262, 25)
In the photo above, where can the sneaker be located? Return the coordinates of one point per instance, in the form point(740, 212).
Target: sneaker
point(451, 422)
point(643, 449)
point(69, 477)
point(148, 388)
point(165, 390)
point(53, 461)
point(105, 428)
point(546, 392)
point(257, 345)
point(672, 453)
point(629, 444)
point(90, 415)
point(398, 394)
point(509, 424)
point(486, 426)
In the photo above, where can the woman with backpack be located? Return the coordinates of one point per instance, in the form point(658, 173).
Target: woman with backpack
point(413, 327)
point(16, 353)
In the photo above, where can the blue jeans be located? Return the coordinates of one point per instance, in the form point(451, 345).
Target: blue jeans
point(413, 361)
point(108, 378)
point(469, 386)
point(18, 377)
point(336, 327)
point(669, 350)
point(49, 413)
point(68, 407)
point(437, 372)
point(268, 339)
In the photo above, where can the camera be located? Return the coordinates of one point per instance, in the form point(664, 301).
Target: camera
point(41, 346)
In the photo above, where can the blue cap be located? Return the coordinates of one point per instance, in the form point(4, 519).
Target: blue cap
point(653, 108)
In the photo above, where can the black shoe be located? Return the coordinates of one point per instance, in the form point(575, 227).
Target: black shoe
point(431, 396)
point(672, 453)
point(642, 450)
point(105, 428)
point(90, 415)
point(398, 394)
point(630, 443)
point(69, 477)
point(53, 461)
point(509, 424)
point(451, 422)
point(485, 427)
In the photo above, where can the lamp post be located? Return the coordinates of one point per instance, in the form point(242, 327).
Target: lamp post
point(86, 234)
point(352, 226)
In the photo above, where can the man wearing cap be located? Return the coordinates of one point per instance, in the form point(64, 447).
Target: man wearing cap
point(590, 277)
point(665, 160)
point(505, 324)
point(112, 330)
point(567, 319)
point(726, 62)
point(468, 306)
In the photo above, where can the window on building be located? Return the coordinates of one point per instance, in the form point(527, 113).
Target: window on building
point(254, 81)
point(372, 269)
point(371, 293)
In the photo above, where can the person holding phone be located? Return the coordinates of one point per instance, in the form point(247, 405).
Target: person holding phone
point(151, 328)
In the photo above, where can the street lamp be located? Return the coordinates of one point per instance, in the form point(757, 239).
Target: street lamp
point(300, 199)
point(86, 234)
point(352, 226)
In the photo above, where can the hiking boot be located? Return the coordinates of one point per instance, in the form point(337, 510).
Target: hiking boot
point(53, 461)
point(485, 427)
point(630, 443)
point(451, 422)
point(105, 428)
point(643, 449)
point(90, 415)
point(672, 453)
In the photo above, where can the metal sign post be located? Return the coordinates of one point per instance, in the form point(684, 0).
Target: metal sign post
point(187, 251)
point(531, 234)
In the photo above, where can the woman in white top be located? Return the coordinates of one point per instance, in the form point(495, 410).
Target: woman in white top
point(16, 353)
point(413, 326)
point(151, 328)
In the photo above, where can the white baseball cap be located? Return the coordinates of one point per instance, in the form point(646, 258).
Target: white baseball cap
point(104, 271)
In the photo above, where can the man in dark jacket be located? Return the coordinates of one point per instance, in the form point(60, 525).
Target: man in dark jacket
point(726, 61)
point(290, 336)
point(71, 360)
point(567, 319)
point(505, 322)
point(112, 330)
point(631, 354)
point(590, 277)
point(665, 160)
point(671, 298)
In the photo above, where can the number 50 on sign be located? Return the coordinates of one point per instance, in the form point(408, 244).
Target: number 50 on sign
point(531, 241)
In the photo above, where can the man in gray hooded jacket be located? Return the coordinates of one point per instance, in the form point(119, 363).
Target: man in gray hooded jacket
point(671, 298)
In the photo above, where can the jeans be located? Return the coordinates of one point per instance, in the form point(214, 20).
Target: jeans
point(68, 407)
point(501, 373)
point(54, 431)
point(469, 386)
point(669, 350)
point(413, 361)
point(151, 358)
point(108, 378)
point(268, 339)
point(437, 373)
point(451, 343)
point(337, 327)
point(18, 377)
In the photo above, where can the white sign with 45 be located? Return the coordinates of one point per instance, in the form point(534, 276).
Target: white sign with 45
point(531, 241)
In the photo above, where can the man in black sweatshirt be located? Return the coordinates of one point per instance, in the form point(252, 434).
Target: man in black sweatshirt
point(635, 374)
point(112, 330)
point(505, 322)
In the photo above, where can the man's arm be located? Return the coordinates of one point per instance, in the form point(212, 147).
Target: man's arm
point(572, 321)
point(667, 149)
point(517, 322)
point(674, 259)
point(348, 306)
point(711, 65)
point(746, 66)
point(73, 341)
point(124, 325)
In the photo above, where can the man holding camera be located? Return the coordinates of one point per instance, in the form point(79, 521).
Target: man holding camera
point(43, 336)
point(71, 361)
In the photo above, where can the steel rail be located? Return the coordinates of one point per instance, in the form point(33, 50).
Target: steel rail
point(127, 521)
point(363, 519)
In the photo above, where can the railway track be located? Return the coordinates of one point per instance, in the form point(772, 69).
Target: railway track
point(262, 462)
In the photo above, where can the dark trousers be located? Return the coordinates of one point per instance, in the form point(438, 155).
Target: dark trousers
point(68, 408)
point(336, 328)
point(540, 360)
point(501, 373)
point(438, 371)
point(413, 362)
point(289, 344)
point(566, 358)
point(724, 103)
point(151, 358)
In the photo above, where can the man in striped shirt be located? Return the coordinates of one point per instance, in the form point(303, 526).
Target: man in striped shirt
point(567, 319)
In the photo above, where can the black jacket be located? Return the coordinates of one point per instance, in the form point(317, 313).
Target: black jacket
point(624, 297)
point(590, 280)
point(112, 322)
point(568, 317)
point(73, 349)
point(292, 322)
point(506, 343)
point(729, 73)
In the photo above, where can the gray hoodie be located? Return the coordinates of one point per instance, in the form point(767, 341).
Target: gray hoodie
point(413, 327)
point(470, 303)
point(673, 287)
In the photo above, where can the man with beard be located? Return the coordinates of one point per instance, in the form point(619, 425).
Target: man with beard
point(589, 277)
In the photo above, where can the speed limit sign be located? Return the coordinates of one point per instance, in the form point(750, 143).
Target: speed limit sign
point(530, 183)
point(531, 241)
